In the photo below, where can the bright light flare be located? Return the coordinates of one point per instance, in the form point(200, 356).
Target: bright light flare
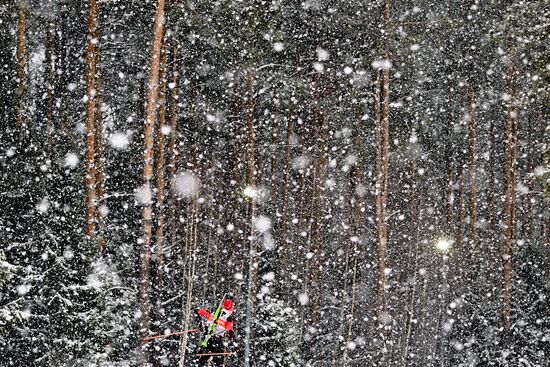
point(250, 192)
point(443, 244)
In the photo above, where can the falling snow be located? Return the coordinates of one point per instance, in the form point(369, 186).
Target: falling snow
point(354, 183)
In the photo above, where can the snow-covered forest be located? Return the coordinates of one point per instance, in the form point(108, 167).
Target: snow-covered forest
point(369, 181)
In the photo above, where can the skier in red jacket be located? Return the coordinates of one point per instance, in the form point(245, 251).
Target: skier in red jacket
point(213, 348)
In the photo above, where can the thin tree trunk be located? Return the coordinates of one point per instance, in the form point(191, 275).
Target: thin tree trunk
point(473, 182)
point(344, 290)
point(381, 202)
point(273, 181)
point(217, 256)
point(91, 115)
point(414, 238)
point(235, 182)
point(527, 207)
point(172, 147)
point(378, 200)
point(100, 177)
point(509, 192)
point(284, 208)
point(382, 122)
point(148, 134)
point(461, 232)
point(309, 212)
point(20, 56)
point(450, 195)
point(190, 261)
point(493, 207)
point(99, 157)
point(317, 239)
point(251, 182)
point(159, 171)
point(355, 225)
point(49, 78)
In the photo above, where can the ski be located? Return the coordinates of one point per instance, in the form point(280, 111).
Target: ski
point(212, 327)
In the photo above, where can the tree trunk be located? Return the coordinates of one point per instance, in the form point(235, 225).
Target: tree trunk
point(378, 199)
point(472, 251)
point(355, 219)
point(91, 115)
point(99, 157)
point(284, 209)
point(460, 263)
point(49, 79)
point(450, 195)
point(382, 105)
point(414, 238)
point(20, 58)
point(250, 182)
point(172, 147)
point(316, 225)
point(190, 261)
point(509, 192)
point(148, 134)
point(159, 171)
point(493, 216)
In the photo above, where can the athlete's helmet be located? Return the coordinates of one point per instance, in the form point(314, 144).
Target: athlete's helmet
point(228, 304)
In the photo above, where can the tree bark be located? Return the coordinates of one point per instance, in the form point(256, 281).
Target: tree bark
point(148, 134)
point(91, 115)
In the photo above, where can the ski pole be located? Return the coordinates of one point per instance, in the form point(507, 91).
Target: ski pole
point(167, 335)
point(215, 354)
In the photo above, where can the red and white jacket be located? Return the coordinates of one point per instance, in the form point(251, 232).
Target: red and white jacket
point(223, 324)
